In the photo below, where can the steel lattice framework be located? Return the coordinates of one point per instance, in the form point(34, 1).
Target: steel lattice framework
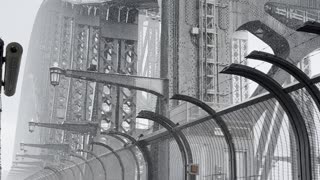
point(272, 136)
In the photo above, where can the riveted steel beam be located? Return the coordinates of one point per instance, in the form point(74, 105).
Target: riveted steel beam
point(86, 162)
point(98, 158)
point(292, 111)
point(115, 154)
point(142, 148)
point(276, 41)
point(179, 137)
point(222, 125)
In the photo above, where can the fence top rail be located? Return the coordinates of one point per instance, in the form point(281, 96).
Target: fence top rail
point(155, 136)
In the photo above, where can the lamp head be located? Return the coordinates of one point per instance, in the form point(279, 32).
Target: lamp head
point(22, 147)
point(55, 75)
point(31, 126)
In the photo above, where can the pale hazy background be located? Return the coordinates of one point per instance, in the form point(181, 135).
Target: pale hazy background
point(16, 21)
point(17, 17)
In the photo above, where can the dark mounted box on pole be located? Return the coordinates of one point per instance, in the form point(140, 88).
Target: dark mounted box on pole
point(12, 62)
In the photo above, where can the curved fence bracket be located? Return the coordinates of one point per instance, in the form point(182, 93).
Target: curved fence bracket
point(86, 162)
point(115, 154)
point(292, 70)
point(73, 173)
point(95, 156)
point(222, 125)
point(55, 171)
point(124, 144)
point(179, 137)
point(62, 169)
point(77, 165)
point(292, 111)
point(43, 174)
point(143, 149)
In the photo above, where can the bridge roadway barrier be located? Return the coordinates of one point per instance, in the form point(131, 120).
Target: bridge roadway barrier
point(263, 138)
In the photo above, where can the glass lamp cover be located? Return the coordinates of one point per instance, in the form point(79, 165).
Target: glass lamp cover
point(54, 76)
point(31, 128)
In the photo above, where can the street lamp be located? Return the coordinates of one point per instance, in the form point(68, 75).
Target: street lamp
point(31, 126)
point(156, 86)
point(55, 75)
point(22, 147)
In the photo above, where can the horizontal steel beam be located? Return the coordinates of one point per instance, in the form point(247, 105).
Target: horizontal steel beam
point(152, 85)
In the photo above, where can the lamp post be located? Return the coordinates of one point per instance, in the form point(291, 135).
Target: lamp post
point(29, 163)
point(81, 127)
point(46, 157)
point(156, 86)
point(58, 147)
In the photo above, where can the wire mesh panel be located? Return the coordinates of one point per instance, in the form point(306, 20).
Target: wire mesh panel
point(311, 117)
point(175, 161)
point(264, 141)
point(209, 150)
point(166, 159)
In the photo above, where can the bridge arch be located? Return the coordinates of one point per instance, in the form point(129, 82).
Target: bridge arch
point(277, 42)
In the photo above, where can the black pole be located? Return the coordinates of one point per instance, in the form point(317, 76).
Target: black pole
point(1, 61)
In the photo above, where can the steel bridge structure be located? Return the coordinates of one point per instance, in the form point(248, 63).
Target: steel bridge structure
point(159, 90)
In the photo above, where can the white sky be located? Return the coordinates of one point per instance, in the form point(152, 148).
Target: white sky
point(17, 17)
